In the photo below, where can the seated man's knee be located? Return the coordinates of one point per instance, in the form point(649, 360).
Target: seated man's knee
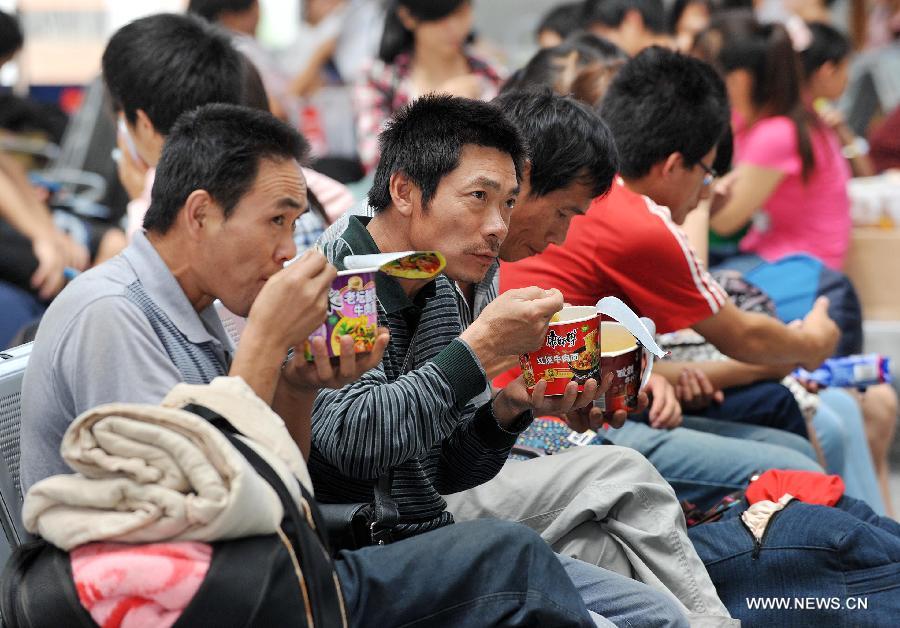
point(785, 458)
point(636, 465)
point(830, 429)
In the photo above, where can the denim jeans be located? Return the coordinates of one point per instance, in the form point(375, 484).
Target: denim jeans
point(621, 600)
point(756, 433)
point(480, 573)
point(702, 467)
point(835, 566)
point(768, 404)
point(842, 435)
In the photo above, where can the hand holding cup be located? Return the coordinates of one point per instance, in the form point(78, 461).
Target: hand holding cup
point(292, 303)
point(514, 323)
point(326, 371)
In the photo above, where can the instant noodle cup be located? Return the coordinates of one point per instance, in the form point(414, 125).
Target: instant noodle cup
point(570, 353)
point(624, 356)
point(352, 311)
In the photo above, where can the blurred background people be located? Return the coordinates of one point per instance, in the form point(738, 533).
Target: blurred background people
point(424, 48)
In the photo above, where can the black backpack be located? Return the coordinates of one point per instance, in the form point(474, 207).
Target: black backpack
point(252, 581)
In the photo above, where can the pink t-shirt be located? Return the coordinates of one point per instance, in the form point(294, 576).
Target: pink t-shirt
point(799, 217)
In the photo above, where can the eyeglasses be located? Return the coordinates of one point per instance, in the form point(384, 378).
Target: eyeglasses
point(710, 175)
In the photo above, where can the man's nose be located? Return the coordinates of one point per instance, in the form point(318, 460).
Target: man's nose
point(497, 226)
point(287, 249)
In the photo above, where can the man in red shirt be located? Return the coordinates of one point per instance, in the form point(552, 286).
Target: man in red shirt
point(629, 245)
point(667, 113)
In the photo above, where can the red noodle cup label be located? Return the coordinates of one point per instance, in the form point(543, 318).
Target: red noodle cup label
point(352, 311)
point(623, 357)
point(623, 392)
point(571, 352)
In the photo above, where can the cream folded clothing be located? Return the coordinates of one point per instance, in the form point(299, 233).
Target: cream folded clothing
point(150, 473)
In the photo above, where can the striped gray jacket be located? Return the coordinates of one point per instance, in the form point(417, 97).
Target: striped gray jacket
point(412, 414)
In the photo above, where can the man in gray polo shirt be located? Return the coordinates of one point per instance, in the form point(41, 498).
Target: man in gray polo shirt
point(147, 315)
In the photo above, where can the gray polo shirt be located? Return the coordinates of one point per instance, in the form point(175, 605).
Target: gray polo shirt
point(123, 331)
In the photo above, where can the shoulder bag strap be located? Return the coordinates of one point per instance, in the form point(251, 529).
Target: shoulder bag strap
point(311, 549)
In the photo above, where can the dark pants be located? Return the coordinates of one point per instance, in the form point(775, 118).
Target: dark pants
point(478, 573)
point(765, 403)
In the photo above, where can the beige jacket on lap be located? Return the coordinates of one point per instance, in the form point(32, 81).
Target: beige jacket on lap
point(158, 473)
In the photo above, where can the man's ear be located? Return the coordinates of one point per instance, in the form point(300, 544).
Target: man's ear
point(672, 163)
point(148, 141)
point(198, 214)
point(404, 193)
point(143, 125)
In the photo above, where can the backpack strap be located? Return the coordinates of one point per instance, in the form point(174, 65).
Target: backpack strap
point(325, 596)
point(233, 589)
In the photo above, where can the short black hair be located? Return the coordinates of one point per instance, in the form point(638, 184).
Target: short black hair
point(610, 13)
point(564, 19)
point(566, 140)
point(212, 9)
point(217, 148)
point(11, 38)
point(662, 102)
point(827, 44)
point(253, 91)
point(167, 64)
point(424, 141)
point(724, 152)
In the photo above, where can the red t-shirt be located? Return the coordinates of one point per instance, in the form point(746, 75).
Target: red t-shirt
point(625, 246)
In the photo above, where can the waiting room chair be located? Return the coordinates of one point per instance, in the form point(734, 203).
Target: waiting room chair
point(12, 369)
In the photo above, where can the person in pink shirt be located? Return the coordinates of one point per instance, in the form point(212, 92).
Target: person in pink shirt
point(790, 178)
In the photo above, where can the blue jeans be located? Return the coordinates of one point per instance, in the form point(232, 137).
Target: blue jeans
point(842, 435)
point(478, 573)
point(757, 433)
point(621, 600)
point(702, 467)
point(768, 404)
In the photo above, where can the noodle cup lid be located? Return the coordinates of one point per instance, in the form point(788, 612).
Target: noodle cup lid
point(617, 309)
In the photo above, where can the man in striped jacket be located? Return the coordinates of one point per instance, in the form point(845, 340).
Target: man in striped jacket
point(448, 179)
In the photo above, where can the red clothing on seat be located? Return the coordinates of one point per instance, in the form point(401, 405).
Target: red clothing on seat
point(810, 487)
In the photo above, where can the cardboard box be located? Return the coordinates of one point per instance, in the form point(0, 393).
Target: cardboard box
point(873, 267)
